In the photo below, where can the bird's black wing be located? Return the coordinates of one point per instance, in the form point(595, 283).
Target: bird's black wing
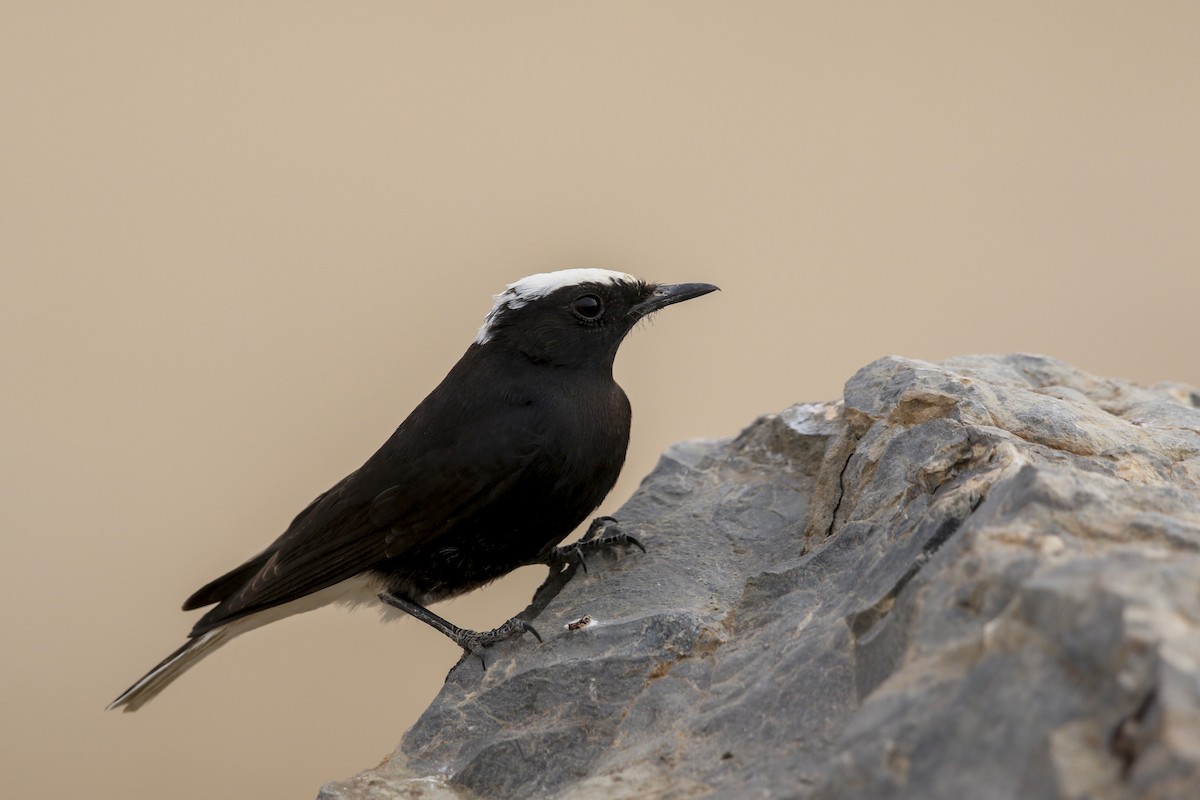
point(434, 471)
point(222, 587)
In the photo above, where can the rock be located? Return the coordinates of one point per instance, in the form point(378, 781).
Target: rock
point(979, 578)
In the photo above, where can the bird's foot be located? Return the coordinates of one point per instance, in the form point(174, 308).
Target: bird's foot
point(472, 642)
point(475, 642)
point(603, 534)
point(601, 525)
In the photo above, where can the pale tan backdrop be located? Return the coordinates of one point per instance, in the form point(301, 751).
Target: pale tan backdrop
point(240, 241)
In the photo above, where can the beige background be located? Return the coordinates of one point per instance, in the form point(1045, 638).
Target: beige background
point(240, 241)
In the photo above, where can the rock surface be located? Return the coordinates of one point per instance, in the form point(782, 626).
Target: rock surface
point(979, 578)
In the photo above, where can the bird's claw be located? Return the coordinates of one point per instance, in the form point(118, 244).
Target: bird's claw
point(604, 533)
point(477, 642)
point(623, 540)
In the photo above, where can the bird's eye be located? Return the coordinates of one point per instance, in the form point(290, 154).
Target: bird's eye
point(588, 306)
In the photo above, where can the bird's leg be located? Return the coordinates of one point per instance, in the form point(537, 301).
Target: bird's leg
point(472, 642)
point(604, 533)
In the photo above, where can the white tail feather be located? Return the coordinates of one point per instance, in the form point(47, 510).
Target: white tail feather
point(176, 664)
point(351, 592)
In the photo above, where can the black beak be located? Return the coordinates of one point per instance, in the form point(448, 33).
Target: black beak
point(663, 296)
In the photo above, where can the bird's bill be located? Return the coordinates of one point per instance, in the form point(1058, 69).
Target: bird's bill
point(663, 296)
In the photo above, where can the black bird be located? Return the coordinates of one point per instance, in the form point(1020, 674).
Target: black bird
point(517, 445)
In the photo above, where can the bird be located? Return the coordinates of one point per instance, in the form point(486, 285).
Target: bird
point(517, 445)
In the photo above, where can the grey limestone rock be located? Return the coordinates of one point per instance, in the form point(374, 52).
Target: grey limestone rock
point(978, 578)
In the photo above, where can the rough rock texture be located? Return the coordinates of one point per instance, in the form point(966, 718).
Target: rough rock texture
point(978, 579)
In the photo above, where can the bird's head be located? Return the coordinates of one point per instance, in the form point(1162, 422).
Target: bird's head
point(576, 317)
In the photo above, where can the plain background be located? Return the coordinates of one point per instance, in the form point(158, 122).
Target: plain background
point(240, 241)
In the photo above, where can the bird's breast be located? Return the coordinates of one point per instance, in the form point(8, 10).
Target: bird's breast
point(578, 438)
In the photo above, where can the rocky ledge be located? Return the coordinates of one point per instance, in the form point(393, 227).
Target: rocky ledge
point(973, 579)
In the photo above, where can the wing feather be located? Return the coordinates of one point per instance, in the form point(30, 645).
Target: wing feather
point(422, 482)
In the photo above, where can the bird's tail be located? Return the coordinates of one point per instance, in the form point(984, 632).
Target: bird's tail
point(171, 668)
